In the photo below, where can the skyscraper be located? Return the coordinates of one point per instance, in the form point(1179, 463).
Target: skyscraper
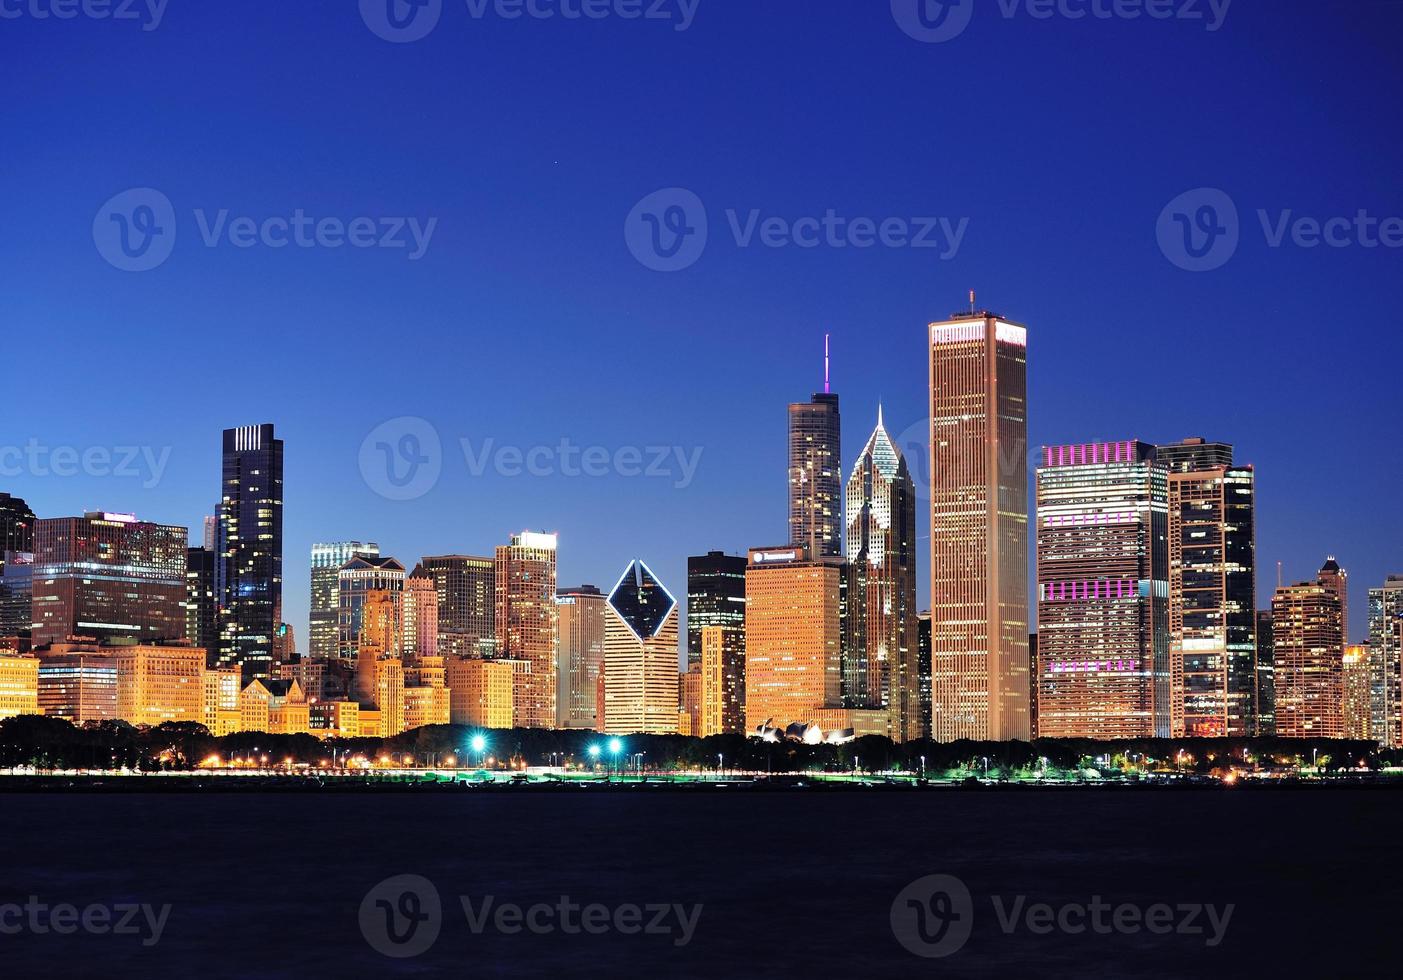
point(201, 602)
point(640, 655)
point(356, 579)
point(251, 549)
point(715, 597)
point(979, 528)
point(420, 616)
point(881, 542)
point(1103, 592)
point(1266, 676)
point(816, 475)
point(793, 637)
point(1357, 718)
point(108, 576)
point(722, 681)
point(327, 560)
point(583, 612)
point(1309, 665)
point(1386, 662)
point(16, 525)
point(466, 603)
point(1212, 591)
point(528, 624)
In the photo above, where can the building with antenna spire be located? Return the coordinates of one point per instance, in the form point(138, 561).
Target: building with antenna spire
point(815, 471)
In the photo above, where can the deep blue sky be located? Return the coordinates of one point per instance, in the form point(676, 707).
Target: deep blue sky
point(528, 319)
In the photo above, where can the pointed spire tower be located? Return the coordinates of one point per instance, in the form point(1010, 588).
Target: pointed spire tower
point(880, 667)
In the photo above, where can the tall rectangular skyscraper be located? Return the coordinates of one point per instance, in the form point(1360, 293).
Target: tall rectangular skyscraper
point(1309, 651)
point(528, 624)
point(327, 560)
point(1102, 669)
point(979, 528)
point(466, 603)
point(582, 618)
point(1212, 591)
point(640, 655)
point(816, 476)
point(715, 597)
point(251, 549)
point(1386, 662)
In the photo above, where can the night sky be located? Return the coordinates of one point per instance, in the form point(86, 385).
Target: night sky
point(1053, 145)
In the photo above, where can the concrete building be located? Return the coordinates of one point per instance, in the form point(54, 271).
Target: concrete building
point(640, 655)
point(480, 693)
point(1309, 668)
point(583, 612)
point(528, 624)
point(19, 686)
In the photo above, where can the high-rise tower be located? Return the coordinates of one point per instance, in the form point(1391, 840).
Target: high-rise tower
point(640, 655)
point(816, 472)
point(251, 549)
point(528, 624)
point(979, 528)
point(327, 560)
point(883, 668)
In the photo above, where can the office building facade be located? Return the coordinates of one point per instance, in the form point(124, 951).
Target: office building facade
point(324, 612)
point(816, 475)
point(640, 655)
point(583, 612)
point(527, 622)
point(251, 549)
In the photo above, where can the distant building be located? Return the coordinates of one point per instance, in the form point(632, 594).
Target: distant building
point(19, 686)
point(108, 576)
point(222, 688)
point(201, 601)
point(816, 475)
point(715, 597)
point(640, 655)
point(78, 682)
point(16, 593)
point(480, 693)
point(979, 528)
point(324, 613)
point(251, 548)
point(356, 579)
point(527, 623)
point(1309, 665)
point(1103, 592)
point(1266, 677)
point(466, 604)
point(426, 697)
point(583, 612)
point(1212, 591)
point(1386, 662)
point(157, 684)
point(16, 525)
point(722, 681)
point(689, 694)
point(1357, 720)
point(420, 616)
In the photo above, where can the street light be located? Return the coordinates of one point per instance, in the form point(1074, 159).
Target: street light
point(594, 754)
point(721, 763)
point(479, 745)
point(615, 747)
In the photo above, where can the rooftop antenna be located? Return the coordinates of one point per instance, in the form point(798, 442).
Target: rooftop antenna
point(1278, 575)
point(971, 302)
point(825, 364)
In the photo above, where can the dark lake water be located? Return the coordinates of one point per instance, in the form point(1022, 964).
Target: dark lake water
point(789, 883)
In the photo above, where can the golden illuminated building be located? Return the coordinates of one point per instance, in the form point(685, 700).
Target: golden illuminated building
point(157, 684)
point(19, 686)
point(689, 712)
point(222, 687)
point(78, 682)
point(722, 680)
point(480, 693)
point(582, 614)
point(979, 528)
point(426, 697)
point(1308, 664)
point(527, 624)
point(1357, 708)
point(793, 630)
point(336, 719)
point(640, 655)
point(371, 723)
